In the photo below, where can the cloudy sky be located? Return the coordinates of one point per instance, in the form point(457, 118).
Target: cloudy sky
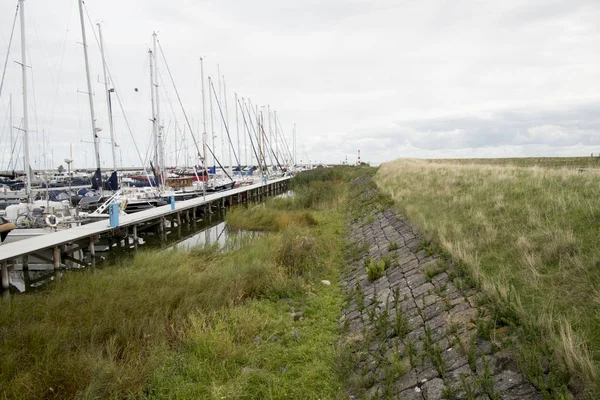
point(393, 78)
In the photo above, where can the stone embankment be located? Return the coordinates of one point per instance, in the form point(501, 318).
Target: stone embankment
point(419, 331)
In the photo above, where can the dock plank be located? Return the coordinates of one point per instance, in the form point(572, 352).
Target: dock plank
point(32, 245)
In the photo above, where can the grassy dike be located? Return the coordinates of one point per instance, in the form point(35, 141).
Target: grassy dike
point(528, 236)
point(202, 324)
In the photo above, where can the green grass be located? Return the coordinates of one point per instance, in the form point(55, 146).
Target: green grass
point(265, 218)
point(256, 351)
point(192, 325)
point(527, 236)
point(375, 269)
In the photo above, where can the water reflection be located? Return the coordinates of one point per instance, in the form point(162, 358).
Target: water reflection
point(220, 235)
point(203, 233)
point(212, 235)
point(286, 195)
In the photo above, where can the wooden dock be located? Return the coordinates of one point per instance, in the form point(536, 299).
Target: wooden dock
point(58, 248)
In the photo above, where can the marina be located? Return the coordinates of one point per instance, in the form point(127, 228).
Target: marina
point(76, 247)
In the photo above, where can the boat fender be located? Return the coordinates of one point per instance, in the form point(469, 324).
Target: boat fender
point(51, 220)
point(123, 205)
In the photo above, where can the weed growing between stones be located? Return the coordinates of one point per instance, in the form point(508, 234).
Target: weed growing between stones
point(427, 247)
point(486, 380)
point(393, 369)
point(359, 297)
point(411, 352)
point(432, 351)
point(382, 323)
point(375, 269)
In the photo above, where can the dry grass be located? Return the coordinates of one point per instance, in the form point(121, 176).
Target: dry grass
point(529, 236)
point(546, 162)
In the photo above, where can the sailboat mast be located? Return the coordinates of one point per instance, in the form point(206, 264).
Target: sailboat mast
point(220, 101)
point(212, 125)
point(154, 121)
point(276, 141)
point(109, 107)
point(10, 106)
point(270, 142)
point(89, 86)
point(176, 146)
point(159, 156)
point(227, 126)
point(237, 129)
point(246, 133)
point(25, 107)
point(259, 122)
point(205, 170)
point(185, 149)
point(294, 143)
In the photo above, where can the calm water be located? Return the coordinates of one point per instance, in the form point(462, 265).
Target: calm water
point(210, 232)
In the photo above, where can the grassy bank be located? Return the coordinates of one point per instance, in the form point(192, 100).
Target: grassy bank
point(545, 162)
point(254, 323)
point(529, 237)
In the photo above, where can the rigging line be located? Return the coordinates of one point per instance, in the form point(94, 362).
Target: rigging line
point(119, 100)
point(289, 153)
point(185, 114)
point(37, 128)
point(168, 101)
point(258, 159)
point(8, 51)
point(284, 147)
point(264, 135)
point(14, 160)
point(246, 124)
point(278, 142)
point(259, 127)
point(271, 152)
point(147, 157)
point(258, 130)
point(224, 123)
point(6, 118)
point(17, 159)
point(59, 73)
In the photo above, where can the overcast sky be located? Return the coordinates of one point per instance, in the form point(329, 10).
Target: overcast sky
point(412, 78)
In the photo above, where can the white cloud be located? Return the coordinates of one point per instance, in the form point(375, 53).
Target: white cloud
point(393, 78)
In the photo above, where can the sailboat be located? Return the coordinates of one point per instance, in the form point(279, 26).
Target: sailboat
point(31, 217)
point(131, 199)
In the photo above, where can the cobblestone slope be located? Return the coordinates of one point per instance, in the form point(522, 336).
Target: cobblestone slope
point(418, 331)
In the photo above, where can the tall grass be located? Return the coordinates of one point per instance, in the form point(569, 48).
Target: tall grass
point(545, 162)
point(528, 235)
point(265, 218)
point(102, 333)
point(201, 324)
point(314, 190)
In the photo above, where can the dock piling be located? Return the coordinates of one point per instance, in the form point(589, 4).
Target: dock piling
point(5, 278)
point(56, 258)
point(135, 238)
point(92, 252)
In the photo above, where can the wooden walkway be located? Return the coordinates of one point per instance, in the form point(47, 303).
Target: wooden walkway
point(58, 247)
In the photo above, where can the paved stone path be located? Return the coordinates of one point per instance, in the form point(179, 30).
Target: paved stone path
point(417, 331)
